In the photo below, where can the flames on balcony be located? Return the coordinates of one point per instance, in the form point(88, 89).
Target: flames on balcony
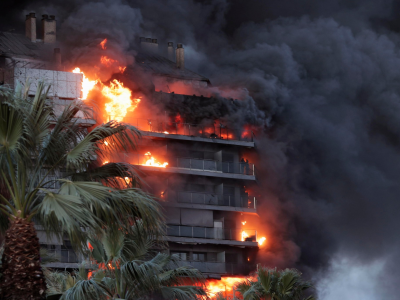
point(225, 286)
point(151, 161)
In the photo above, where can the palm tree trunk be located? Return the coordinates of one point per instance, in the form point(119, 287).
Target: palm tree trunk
point(22, 275)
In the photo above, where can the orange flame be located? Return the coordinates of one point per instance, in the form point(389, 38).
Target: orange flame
point(166, 132)
point(244, 223)
point(120, 100)
point(225, 285)
point(87, 85)
point(103, 44)
point(244, 235)
point(151, 161)
point(261, 241)
point(105, 60)
point(106, 162)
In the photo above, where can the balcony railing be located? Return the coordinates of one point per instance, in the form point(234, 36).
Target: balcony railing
point(219, 267)
point(215, 233)
point(210, 199)
point(211, 130)
point(197, 164)
point(64, 255)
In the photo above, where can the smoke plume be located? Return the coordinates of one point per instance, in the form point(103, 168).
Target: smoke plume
point(320, 82)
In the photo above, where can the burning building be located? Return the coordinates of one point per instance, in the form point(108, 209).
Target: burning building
point(199, 168)
point(199, 171)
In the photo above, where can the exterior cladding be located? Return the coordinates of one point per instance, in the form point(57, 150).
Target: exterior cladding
point(62, 84)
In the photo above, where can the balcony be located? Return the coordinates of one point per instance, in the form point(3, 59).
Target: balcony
point(220, 267)
point(212, 233)
point(243, 201)
point(209, 131)
point(198, 166)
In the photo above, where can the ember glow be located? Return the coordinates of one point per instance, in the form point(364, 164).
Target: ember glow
point(87, 85)
point(151, 161)
point(225, 286)
point(120, 100)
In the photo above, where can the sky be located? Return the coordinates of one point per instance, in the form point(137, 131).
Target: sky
point(321, 83)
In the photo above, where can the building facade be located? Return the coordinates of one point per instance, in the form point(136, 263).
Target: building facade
point(204, 187)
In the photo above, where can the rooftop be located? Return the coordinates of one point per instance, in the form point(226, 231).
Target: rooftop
point(15, 44)
point(162, 66)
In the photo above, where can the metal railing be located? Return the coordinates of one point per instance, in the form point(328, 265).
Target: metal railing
point(64, 255)
point(212, 233)
point(210, 130)
point(210, 199)
point(219, 267)
point(197, 164)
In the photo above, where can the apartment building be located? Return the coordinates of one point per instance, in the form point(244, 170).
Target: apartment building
point(204, 189)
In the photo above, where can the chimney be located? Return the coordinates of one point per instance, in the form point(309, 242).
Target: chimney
point(180, 57)
point(30, 27)
point(49, 29)
point(154, 46)
point(171, 54)
point(149, 45)
point(57, 58)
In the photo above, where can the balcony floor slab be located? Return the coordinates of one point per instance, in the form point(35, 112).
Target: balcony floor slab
point(160, 135)
point(211, 207)
point(177, 239)
point(197, 172)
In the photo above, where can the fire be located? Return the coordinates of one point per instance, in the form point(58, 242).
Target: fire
point(244, 223)
point(87, 85)
point(106, 162)
point(121, 102)
point(103, 44)
point(151, 161)
point(225, 285)
point(261, 241)
point(122, 69)
point(166, 132)
point(105, 60)
point(244, 235)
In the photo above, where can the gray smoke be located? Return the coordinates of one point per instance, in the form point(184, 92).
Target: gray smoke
point(322, 84)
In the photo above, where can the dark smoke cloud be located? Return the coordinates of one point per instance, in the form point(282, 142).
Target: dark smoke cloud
point(322, 83)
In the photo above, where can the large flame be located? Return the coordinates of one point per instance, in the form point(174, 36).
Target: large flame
point(120, 100)
point(225, 286)
point(151, 161)
point(87, 85)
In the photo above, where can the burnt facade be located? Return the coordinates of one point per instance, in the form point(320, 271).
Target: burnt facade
point(204, 187)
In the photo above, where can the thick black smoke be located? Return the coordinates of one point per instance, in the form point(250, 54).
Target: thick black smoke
point(323, 83)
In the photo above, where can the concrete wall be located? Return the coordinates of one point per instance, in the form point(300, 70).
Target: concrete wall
point(63, 84)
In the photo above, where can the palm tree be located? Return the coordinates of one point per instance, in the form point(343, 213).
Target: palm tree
point(271, 284)
point(48, 173)
point(126, 268)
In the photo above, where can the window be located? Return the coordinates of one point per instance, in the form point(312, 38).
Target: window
point(199, 256)
point(181, 255)
point(231, 257)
